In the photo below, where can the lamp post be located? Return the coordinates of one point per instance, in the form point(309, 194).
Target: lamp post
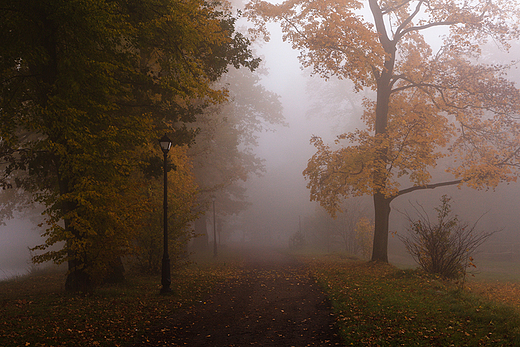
point(166, 281)
point(215, 252)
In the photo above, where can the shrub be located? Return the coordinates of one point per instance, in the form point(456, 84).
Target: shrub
point(444, 247)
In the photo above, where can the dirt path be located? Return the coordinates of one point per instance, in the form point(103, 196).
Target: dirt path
point(275, 303)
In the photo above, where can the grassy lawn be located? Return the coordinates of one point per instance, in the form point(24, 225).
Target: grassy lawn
point(381, 305)
point(35, 310)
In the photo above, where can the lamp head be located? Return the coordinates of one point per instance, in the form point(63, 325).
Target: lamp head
point(165, 143)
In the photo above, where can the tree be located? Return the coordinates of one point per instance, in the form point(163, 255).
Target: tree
point(182, 207)
point(364, 236)
point(434, 99)
point(87, 87)
point(223, 152)
point(342, 229)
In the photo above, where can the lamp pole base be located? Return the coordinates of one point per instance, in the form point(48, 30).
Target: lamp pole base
point(165, 276)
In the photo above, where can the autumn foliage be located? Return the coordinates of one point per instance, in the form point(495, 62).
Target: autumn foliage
point(435, 99)
point(86, 89)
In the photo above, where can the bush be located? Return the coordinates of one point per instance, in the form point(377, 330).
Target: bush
point(444, 247)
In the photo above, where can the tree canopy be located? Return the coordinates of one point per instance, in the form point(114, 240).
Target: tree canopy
point(223, 151)
point(435, 100)
point(87, 88)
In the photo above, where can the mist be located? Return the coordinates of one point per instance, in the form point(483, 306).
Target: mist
point(280, 200)
point(279, 197)
point(16, 237)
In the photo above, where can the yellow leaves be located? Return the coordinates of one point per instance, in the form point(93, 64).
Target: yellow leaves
point(441, 102)
point(343, 172)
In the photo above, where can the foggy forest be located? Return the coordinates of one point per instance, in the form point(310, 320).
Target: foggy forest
point(278, 204)
point(274, 199)
point(278, 173)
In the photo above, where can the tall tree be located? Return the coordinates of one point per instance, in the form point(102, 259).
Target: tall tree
point(223, 153)
point(434, 98)
point(85, 86)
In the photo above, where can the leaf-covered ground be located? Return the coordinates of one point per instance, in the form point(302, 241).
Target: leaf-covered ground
point(274, 302)
point(270, 300)
point(380, 305)
point(36, 311)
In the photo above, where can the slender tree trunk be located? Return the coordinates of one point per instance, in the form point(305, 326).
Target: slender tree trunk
point(382, 216)
point(201, 230)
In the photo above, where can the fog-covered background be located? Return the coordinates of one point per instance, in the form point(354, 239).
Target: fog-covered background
point(280, 201)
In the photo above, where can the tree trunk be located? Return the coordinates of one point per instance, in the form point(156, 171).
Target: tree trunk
point(200, 242)
point(116, 272)
point(78, 280)
point(382, 216)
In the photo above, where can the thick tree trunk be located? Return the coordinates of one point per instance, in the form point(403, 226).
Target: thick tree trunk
point(382, 216)
point(78, 280)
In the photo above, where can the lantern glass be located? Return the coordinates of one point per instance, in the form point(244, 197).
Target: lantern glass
point(165, 143)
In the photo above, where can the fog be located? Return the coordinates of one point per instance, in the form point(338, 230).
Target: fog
point(280, 199)
point(16, 237)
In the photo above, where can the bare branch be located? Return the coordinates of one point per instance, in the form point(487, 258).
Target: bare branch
point(399, 31)
point(428, 186)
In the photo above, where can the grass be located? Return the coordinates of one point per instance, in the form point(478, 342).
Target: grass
point(381, 305)
point(36, 311)
point(375, 305)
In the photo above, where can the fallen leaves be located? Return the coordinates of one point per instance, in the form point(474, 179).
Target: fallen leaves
point(113, 316)
point(377, 304)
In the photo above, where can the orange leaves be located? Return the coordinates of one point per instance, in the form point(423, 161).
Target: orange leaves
point(416, 133)
point(434, 97)
point(332, 38)
point(333, 174)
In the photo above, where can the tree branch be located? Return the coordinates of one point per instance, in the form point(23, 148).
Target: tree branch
point(380, 25)
point(428, 186)
point(426, 26)
point(400, 29)
point(386, 10)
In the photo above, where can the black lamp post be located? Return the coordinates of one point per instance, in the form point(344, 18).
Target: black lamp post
point(215, 252)
point(166, 281)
